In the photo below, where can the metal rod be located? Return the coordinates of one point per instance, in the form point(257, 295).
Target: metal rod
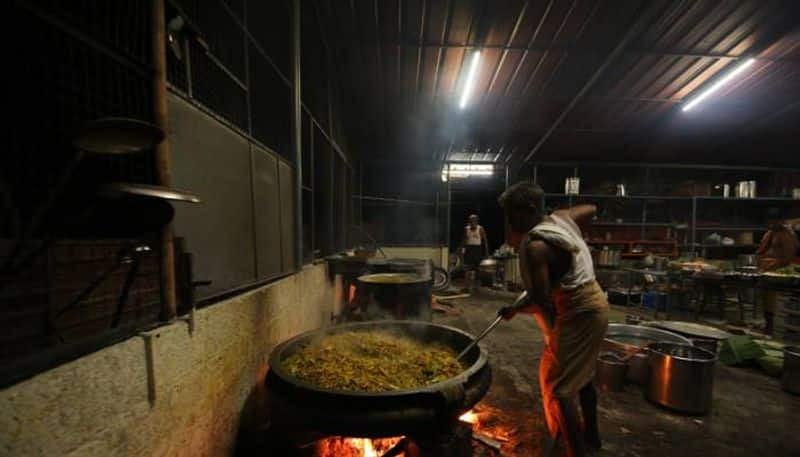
point(483, 334)
point(162, 155)
point(297, 135)
point(126, 289)
point(56, 190)
point(393, 200)
point(449, 213)
point(694, 223)
point(121, 258)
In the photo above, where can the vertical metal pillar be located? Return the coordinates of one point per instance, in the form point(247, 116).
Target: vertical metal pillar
point(361, 195)
point(694, 224)
point(506, 177)
point(437, 236)
point(297, 135)
point(449, 208)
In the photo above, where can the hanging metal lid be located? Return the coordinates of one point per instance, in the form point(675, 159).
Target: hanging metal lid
point(122, 189)
point(117, 135)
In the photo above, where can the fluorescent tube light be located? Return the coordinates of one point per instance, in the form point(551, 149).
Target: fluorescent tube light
point(470, 82)
point(714, 87)
point(460, 170)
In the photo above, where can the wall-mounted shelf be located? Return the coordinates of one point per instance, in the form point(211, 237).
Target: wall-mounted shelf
point(620, 197)
point(634, 224)
point(757, 199)
point(730, 228)
point(669, 248)
point(697, 215)
point(726, 246)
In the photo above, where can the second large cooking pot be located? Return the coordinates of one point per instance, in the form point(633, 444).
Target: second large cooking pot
point(681, 377)
point(395, 296)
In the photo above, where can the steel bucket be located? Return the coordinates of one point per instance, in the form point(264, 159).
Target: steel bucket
point(681, 377)
point(790, 381)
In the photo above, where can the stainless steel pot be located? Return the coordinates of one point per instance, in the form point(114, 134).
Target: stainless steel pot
point(746, 260)
point(746, 189)
point(572, 186)
point(681, 377)
point(638, 368)
point(488, 265)
point(607, 257)
point(610, 372)
point(709, 344)
point(660, 263)
point(790, 381)
point(721, 190)
point(630, 339)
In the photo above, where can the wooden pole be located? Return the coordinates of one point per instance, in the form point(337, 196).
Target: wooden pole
point(162, 154)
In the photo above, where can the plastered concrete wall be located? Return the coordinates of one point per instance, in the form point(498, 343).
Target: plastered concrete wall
point(167, 392)
point(437, 254)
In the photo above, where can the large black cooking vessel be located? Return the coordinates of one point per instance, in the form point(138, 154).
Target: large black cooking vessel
point(400, 296)
point(404, 412)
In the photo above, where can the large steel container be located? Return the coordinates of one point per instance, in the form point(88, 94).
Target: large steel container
point(791, 369)
point(681, 377)
point(629, 339)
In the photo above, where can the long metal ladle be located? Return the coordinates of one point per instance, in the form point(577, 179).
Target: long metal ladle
point(523, 297)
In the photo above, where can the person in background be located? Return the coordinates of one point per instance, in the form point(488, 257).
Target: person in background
point(568, 304)
point(777, 249)
point(474, 243)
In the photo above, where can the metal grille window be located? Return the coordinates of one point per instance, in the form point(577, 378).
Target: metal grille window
point(215, 88)
point(269, 23)
point(270, 106)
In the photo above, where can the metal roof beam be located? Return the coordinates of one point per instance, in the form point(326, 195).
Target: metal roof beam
point(642, 18)
point(578, 50)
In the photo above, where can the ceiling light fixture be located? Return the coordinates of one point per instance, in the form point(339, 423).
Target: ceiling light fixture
point(455, 170)
point(715, 87)
point(470, 82)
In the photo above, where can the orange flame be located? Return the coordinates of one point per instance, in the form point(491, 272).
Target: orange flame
point(355, 447)
point(470, 417)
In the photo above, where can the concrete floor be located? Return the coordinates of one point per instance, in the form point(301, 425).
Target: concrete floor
point(751, 415)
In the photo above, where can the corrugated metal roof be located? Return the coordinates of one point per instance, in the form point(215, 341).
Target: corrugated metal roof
point(566, 78)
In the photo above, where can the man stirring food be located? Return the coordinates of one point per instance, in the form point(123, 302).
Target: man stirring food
point(568, 304)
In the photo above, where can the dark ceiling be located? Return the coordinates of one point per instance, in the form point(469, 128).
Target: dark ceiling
point(568, 79)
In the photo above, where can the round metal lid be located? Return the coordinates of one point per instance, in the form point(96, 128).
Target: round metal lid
point(117, 135)
point(392, 278)
point(691, 329)
point(122, 189)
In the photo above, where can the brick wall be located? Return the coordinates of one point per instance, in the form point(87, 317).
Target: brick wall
point(30, 299)
point(195, 394)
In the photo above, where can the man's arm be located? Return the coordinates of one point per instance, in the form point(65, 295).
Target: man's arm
point(581, 214)
point(533, 259)
point(539, 272)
